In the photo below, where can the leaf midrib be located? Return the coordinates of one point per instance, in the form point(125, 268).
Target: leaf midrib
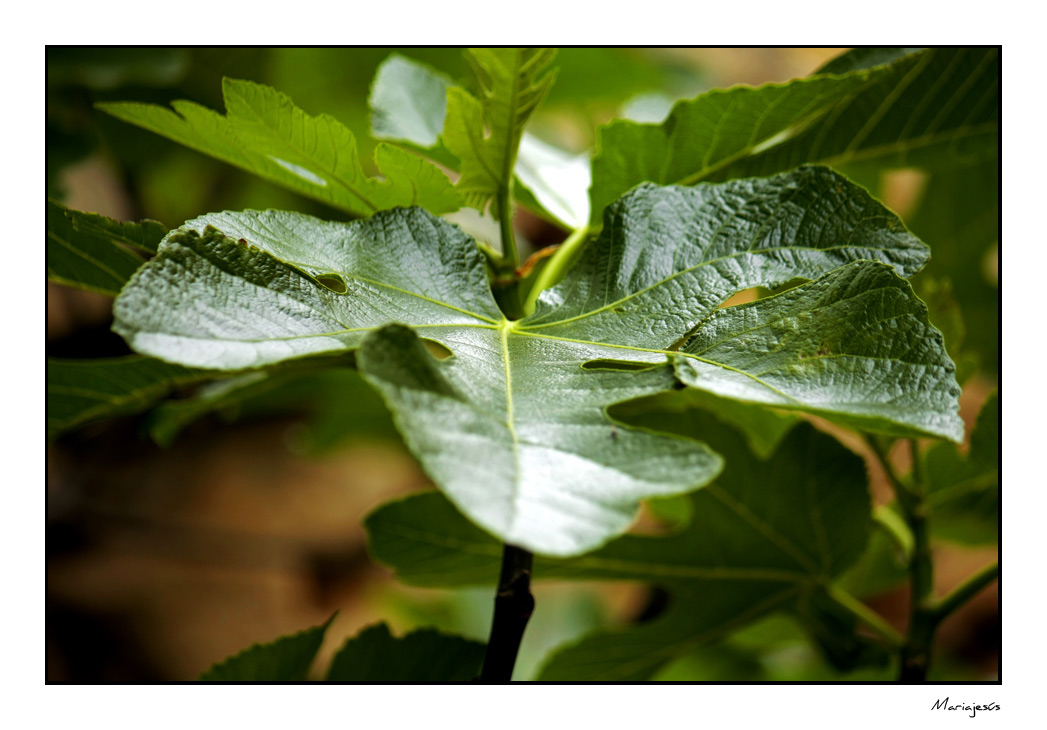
point(699, 265)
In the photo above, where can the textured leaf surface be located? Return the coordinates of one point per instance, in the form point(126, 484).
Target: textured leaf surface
point(935, 107)
point(263, 132)
point(766, 535)
point(286, 659)
point(484, 133)
point(375, 655)
point(964, 490)
point(513, 426)
point(93, 252)
point(79, 391)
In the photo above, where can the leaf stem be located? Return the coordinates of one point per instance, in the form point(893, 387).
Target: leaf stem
point(513, 605)
point(504, 201)
point(554, 270)
point(966, 590)
point(866, 615)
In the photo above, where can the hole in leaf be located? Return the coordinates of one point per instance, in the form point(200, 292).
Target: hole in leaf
point(334, 282)
point(626, 365)
point(440, 352)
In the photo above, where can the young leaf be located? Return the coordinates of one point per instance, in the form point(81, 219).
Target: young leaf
point(263, 132)
point(964, 493)
point(512, 427)
point(934, 107)
point(426, 655)
point(512, 85)
point(766, 536)
point(79, 391)
point(286, 659)
point(96, 253)
point(409, 104)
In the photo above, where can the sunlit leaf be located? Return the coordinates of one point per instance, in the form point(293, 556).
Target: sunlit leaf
point(512, 426)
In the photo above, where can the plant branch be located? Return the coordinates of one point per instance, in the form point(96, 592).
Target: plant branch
point(513, 605)
point(916, 653)
point(966, 591)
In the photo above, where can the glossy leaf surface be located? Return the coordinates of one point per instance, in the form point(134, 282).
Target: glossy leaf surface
point(426, 655)
point(286, 659)
point(766, 536)
point(263, 132)
point(512, 426)
point(92, 252)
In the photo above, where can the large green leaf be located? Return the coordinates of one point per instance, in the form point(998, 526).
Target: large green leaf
point(964, 491)
point(934, 107)
point(766, 536)
point(512, 427)
point(484, 133)
point(96, 253)
point(286, 659)
point(79, 391)
point(375, 655)
point(263, 132)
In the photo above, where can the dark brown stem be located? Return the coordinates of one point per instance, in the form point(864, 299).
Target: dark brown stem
point(513, 605)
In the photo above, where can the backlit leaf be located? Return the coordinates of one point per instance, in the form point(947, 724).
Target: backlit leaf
point(936, 107)
point(263, 132)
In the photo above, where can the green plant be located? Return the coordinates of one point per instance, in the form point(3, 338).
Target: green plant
point(548, 398)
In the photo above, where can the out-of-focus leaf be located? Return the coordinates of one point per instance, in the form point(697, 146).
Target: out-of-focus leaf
point(513, 83)
point(92, 252)
point(263, 132)
point(763, 428)
point(637, 315)
point(964, 493)
point(286, 659)
point(703, 135)
point(79, 391)
point(375, 655)
point(934, 108)
point(408, 102)
point(557, 182)
point(959, 217)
